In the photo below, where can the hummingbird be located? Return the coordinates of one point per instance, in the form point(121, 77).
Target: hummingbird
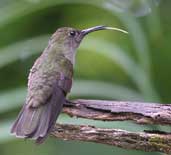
point(49, 82)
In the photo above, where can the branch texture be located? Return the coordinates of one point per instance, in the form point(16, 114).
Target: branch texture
point(141, 113)
point(124, 139)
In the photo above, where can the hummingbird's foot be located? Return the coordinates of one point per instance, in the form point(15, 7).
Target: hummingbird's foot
point(69, 103)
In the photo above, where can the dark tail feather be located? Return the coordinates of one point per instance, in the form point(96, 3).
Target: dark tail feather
point(36, 123)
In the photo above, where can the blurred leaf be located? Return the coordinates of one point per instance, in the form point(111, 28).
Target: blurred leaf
point(119, 56)
point(12, 99)
point(5, 131)
point(104, 90)
point(137, 8)
point(18, 9)
point(139, 40)
point(22, 50)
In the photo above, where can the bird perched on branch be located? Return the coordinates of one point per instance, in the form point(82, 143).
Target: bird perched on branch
point(49, 81)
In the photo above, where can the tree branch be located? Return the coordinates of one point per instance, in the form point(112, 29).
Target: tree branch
point(124, 139)
point(141, 113)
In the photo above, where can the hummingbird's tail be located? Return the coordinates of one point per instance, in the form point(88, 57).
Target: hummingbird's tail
point(37, 122)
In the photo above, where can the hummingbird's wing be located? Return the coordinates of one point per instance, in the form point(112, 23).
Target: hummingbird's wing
point(43, 105)
point(43, 76)
point(40, 87)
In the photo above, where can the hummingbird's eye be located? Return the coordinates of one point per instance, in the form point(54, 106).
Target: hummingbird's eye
point(72, 33)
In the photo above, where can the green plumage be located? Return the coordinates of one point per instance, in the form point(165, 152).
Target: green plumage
point(49, 81)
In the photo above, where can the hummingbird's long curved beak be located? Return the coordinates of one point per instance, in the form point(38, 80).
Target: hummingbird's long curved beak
point(101, 27)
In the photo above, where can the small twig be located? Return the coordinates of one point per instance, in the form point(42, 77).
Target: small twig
point(124, 139)
point(141, 113)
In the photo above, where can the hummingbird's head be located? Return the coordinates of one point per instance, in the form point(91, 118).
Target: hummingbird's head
point(68, 39)
point(72, 37)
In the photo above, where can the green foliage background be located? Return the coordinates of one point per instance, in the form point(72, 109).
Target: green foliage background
point(109, 65)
